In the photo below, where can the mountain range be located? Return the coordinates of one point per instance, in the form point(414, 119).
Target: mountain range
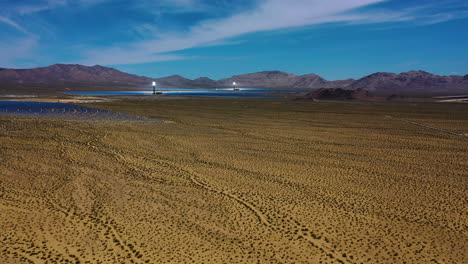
point(79, 77)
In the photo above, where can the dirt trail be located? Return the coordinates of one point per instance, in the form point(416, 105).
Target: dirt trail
point(430, 127)
point(320, 244)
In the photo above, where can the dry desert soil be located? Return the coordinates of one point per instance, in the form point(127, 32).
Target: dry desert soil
point(237, 181)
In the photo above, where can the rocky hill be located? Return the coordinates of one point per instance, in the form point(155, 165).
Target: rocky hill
point(416, 82)
point(174, 81)
point(283, 80)
point(204, 82)
point(69, 73)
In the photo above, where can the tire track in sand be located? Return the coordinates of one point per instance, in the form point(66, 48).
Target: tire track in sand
point(313, 240)
point(430, 127)
point(106, 227)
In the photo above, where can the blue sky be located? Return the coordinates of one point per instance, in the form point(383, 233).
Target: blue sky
point(218, 38)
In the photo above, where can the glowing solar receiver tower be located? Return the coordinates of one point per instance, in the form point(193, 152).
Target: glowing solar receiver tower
point(154, 87)
point(234, 86)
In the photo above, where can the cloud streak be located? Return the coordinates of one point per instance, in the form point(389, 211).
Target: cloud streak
point(269, 15)
point(13, 24)
point(272, 15)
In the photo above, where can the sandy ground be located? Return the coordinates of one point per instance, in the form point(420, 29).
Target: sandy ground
point(237, 181)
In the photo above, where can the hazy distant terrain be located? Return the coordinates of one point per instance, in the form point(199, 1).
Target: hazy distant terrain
point(237, 181)
point(60, 77)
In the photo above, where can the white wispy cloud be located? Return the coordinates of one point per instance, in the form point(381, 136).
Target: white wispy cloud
point(13, 24)
point(272, 15)
point(269, 15)
point(19, 9)
point(24, 9)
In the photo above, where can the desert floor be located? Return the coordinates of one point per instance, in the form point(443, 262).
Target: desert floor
point(237, 181)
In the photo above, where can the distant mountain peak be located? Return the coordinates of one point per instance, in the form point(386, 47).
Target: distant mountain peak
point(419, 72)
point(274, 72)
point(381, 74)
point(174, 81)
point(204, 79)
point(175, 76)
point(310, 74)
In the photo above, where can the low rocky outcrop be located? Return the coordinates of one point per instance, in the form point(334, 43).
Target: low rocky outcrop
point(336, 94)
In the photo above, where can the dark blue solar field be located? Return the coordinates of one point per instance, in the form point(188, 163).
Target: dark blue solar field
point(196, 92)
point(68, 112)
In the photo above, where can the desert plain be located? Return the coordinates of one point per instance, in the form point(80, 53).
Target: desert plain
point(237, 181)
